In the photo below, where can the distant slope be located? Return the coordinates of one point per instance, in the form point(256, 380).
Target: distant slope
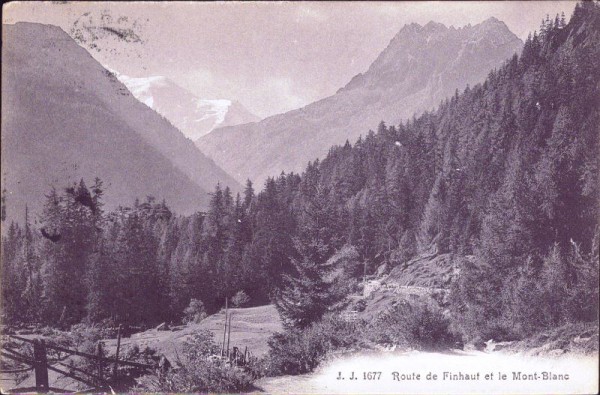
point(65, 117)
point(421, 66)
point(195, 117)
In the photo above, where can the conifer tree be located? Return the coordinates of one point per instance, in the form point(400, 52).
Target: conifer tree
point(306, 294)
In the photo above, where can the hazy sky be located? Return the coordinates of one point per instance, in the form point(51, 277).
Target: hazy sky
point(272, 57)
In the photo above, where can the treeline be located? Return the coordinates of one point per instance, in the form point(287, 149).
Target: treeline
point(135, 265)
point(506, 170)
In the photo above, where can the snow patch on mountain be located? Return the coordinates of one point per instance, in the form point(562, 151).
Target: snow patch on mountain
point(193, 116)
point(217, 108)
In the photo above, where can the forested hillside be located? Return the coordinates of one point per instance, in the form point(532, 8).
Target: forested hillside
point(506, 171)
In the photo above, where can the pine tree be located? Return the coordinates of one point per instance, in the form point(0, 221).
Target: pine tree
point(31, 293)
point(3, 205)
point(100, 285)
point(506, 236)
point(139, 295)
point(13, 275)
point(306, 294)
point(248, 195)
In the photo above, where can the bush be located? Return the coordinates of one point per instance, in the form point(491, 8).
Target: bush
point(82, 333)
point(417, 325)
point(358, 305)
point(132, 352)
point(347, 268)
point(295, 352)
point(195, 312)
point(240, 299)
point(200, 369)
point(301, 351)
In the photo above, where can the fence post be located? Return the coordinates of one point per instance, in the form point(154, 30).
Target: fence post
point(116, 366)
point(229, 333)
point(224, 330)
point(41, 366)
point(100, 354)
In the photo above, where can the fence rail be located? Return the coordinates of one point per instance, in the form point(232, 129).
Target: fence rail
point(94, 374)
point(99, 358)
point(40, 364)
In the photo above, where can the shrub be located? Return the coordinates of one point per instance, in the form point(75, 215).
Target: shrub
point(200, 369)
point(301, 351)
point(430, 329)
point(195, 312)
point(147, 355)
point(240, 299)
point(82, 333)
point(417, 325)
point(359, 305)
point(347, 268)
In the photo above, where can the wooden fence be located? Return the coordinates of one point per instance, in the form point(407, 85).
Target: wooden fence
point(39, 362)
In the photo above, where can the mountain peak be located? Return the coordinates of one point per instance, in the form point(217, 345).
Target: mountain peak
point(493, 19)
point(420, 67)
point(414, 31)
point(431, 25)
point(192, 115)
point(495, 30)
point(493, 24)
point(435, 47)
point(407, 29)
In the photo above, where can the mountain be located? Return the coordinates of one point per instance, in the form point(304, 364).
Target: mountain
point(421, 66)
point(65, 117)
point(195, 117)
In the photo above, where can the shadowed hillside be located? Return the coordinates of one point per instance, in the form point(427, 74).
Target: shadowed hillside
point(65, 117)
